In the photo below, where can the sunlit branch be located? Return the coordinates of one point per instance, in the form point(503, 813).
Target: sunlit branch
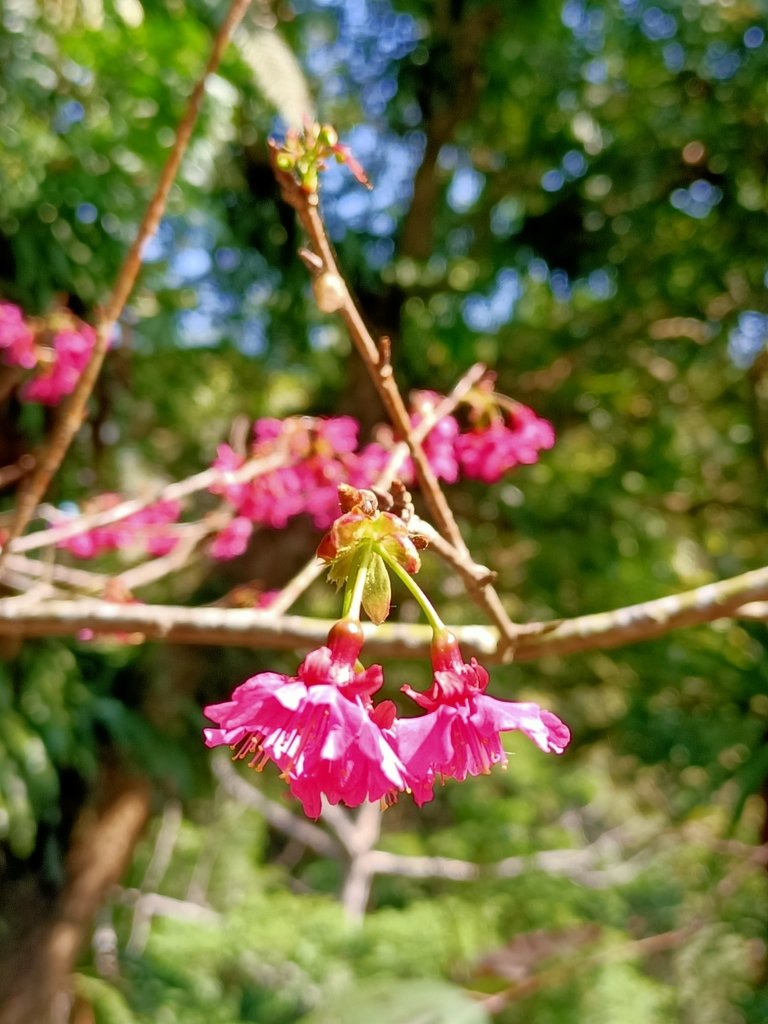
point(21, 571)
point(444, 408)
point(188, 547)
point(63, 576)
point(581, 865)
point(73, 410)
point(244, 627)
point(296, 586)
point(446, 551)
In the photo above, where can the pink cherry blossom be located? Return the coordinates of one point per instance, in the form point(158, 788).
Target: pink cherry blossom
point(460, 734)
point(17, 342)
point(71, 351)
point(368, 464)
point(440, 449)
point(335, 435)
point(273, 498)
point(232, 540)
point(148, 527)
point(487, 453)
point(319, 454)
point(439, 444)
point(317, 727)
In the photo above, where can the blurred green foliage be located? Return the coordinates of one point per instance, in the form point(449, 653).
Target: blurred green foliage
point(589, 217)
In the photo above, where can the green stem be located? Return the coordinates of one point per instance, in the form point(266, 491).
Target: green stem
point(353, 596)
point(413, 587)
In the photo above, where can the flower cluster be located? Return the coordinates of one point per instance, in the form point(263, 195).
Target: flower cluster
point(328, 738)
point(322, 728)
point(305, 153)
point(55, 350)
point(319, 454)
point(488, 453)
point(504, 434)
point(147, 528)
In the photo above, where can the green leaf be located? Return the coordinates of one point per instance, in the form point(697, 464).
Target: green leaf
point(401, 1002)
point(377, 594)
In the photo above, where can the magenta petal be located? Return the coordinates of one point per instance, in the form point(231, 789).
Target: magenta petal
point(291, 695)
point(224, 737)
point(545, 729)
point(424, 742)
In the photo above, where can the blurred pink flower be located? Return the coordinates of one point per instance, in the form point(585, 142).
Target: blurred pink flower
point(232, 540)
point(440, 443)
point(147, 527)
point(17, 342)
point(487, 453)
point(71, 350)
point(319, 454)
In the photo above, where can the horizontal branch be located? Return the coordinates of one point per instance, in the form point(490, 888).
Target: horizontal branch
point(584, 866)
point(244, 627)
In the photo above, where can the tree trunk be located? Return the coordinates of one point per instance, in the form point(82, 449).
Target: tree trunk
point(36, 979)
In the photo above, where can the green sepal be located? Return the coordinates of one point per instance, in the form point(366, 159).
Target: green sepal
point(343, 566)
point(377, 594)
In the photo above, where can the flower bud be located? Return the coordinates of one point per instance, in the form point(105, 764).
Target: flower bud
point(328, 136)
point(330, 292)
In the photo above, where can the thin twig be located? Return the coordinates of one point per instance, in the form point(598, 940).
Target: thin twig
point(296, 586)
point(73, 411)
point(82, 580)
point(165, 843)
point(147, 905)
point(443, 408)
point(280, 817)
point(156, 569)
point(447, 551)
point(16, 470)
point(376, 360)
point(172, 492)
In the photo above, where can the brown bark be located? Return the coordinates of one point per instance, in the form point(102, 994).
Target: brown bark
point(36, 979)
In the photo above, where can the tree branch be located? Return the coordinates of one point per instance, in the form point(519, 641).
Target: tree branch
point(307, 575)
point(244, 627)
point(376, 358)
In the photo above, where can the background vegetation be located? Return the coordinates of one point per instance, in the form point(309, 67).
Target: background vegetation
point(574, 193)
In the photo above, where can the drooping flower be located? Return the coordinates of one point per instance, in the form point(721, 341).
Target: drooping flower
point(460, 734)
point(320, 727)
point(486, 453)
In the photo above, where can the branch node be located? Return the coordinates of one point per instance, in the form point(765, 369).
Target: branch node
point(385, 355)
point(311, 260)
